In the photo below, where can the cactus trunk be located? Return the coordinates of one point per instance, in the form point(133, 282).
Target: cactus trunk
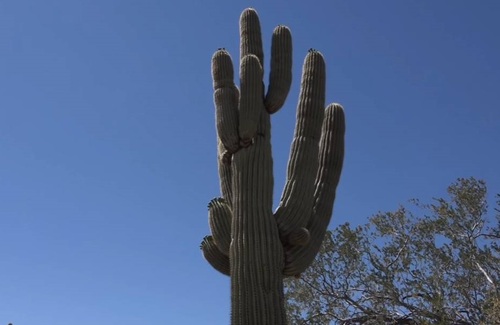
point(254, 246)
point(256, 253)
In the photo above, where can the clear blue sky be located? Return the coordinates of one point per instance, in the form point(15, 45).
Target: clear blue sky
point(107, 137)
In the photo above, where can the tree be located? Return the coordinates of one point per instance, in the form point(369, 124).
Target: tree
point(441, 266)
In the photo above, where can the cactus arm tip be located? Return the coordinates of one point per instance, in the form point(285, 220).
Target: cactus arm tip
point(214, 256)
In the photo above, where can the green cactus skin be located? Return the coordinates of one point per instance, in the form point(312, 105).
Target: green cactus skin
point(254, 246)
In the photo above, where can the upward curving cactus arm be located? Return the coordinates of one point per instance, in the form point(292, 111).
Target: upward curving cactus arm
point(226, 98)
point(331, 157)
point(251, 104)
point(297, 200)
point(280, 77)
point(250, 243)
point(250, 35)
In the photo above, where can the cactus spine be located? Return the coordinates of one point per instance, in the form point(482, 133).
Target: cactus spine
point(254, 246)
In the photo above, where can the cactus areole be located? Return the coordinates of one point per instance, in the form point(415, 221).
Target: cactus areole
point(253, 245)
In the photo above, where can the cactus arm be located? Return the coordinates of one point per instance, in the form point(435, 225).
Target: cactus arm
point(297, 199)
point(222, 69)
point(214, 256)
point(250, 35)
point(280, 76)
point(331, 160)
point(219, 219)
point(251, 104)
point(331, 157)
point(225, 100)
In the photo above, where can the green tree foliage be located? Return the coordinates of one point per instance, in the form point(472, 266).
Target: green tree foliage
point(435, 263)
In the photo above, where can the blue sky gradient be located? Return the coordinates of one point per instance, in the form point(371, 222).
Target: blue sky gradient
point(107, 137)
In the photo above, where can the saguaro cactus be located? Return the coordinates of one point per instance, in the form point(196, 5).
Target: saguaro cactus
point(254, 246)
